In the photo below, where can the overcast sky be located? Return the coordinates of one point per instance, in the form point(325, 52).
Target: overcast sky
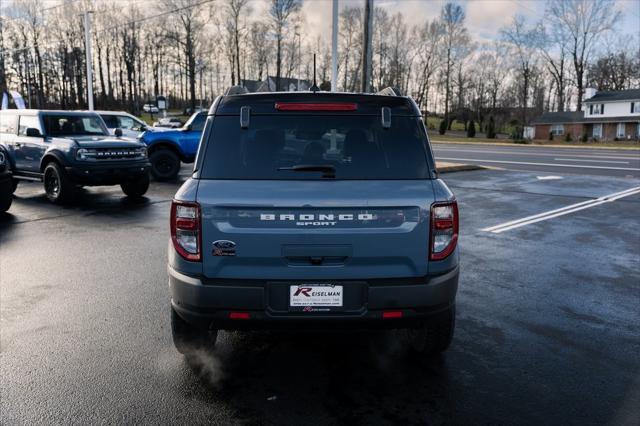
point(484, 17)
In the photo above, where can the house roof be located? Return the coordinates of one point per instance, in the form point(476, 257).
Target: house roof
point(559, 117)
point(615, 95)
point(578, 117)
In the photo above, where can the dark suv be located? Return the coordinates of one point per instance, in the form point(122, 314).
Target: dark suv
point(67, 149)
point(314, 210)
point(6, 183)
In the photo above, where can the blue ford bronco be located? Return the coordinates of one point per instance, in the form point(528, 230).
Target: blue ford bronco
point(314, 210)
point(168, 148)
point(67, 149)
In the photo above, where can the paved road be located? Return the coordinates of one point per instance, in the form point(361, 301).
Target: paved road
point(609, 162)
point(548, 322)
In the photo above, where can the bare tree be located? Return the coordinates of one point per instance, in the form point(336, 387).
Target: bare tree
point(234, 10)
point(428, 39)
point(553, 46)
point(281, 11)
point(522, 42)
point(186, 35)
point(455, 40)
point(582, 22)
point(260, 47)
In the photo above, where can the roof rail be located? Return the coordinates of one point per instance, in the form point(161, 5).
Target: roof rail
point(390, 91)
point(236, 90)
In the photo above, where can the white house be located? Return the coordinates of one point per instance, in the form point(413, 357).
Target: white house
point(607, 116)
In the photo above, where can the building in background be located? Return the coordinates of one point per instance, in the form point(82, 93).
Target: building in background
point(607, 116)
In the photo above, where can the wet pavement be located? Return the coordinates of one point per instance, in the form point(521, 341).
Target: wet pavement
point(548, 325)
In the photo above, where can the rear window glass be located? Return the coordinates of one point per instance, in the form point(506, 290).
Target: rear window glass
point(352, 147)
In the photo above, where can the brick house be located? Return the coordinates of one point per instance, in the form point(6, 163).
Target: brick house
point(607, 116)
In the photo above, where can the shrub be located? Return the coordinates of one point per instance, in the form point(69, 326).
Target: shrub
point(491, 129)
point(550, 136)
point(443, 127)
point(567, 137)
point(471, 131)
point(584, 137)
point(521, 141)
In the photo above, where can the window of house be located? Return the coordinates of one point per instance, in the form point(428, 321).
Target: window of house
point(596, 109)
point(620, 131)
point(557, 129)
point(597, 131)
point(635, 107)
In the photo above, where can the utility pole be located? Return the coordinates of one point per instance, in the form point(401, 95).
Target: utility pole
point(299, 59)
point(334, 48)
point(87, 44)
point(366, 43)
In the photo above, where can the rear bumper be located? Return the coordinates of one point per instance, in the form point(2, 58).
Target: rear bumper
point(208, 306)
point(107, 174)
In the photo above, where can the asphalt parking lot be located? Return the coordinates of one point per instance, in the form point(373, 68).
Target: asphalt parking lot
point(548, 320)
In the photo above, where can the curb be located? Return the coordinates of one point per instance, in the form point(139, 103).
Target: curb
point(509, 144)
point(454, 167)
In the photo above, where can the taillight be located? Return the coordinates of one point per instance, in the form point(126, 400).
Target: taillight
point(185, 229)
point(444, 230)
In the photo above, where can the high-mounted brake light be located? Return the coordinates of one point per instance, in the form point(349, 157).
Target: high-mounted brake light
point(186, 232)
point(444, 230)
point(316, 107)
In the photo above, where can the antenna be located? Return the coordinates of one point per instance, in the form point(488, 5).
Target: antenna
point(314, 88)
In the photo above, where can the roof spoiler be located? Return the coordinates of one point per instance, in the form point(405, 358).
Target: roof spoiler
point(236, 90)
point(390, 91)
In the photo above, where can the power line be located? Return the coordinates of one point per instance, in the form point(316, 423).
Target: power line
point(133, 21)
point(146, 18)
point(64, 3)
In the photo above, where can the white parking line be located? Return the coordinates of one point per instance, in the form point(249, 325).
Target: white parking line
point(591, 161)
point(561, 211)
point(574, 166)
point(544, 154)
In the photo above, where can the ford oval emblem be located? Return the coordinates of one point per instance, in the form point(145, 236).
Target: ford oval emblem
point(224, 248)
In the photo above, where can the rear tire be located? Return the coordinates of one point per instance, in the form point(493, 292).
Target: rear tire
point(165, 164)
point(14, 185)
point(6, 195)
point(136, 188)
point(435, 336)
point(188, 339)
point(57, 185)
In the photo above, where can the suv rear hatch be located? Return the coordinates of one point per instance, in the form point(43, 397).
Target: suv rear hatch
point(301, 196)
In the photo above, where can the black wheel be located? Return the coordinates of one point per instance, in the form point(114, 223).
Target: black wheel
point(188, 338)
point(58, 186)
point(6, 195)
point(165, 164)
point(434, 336)
point(14, 185)
point(136, 188)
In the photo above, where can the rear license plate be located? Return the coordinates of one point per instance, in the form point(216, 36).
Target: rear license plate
point(316, 295)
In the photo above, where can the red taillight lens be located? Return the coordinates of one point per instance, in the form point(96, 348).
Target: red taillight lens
point(185, 229)
point(316, 107)
point(444, 230)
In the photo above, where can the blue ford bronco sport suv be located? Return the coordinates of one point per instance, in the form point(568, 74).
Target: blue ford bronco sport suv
point(314, 210)
point(168, 148)
point(68, 149)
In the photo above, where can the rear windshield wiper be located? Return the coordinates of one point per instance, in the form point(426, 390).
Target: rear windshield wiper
point(327, 170)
